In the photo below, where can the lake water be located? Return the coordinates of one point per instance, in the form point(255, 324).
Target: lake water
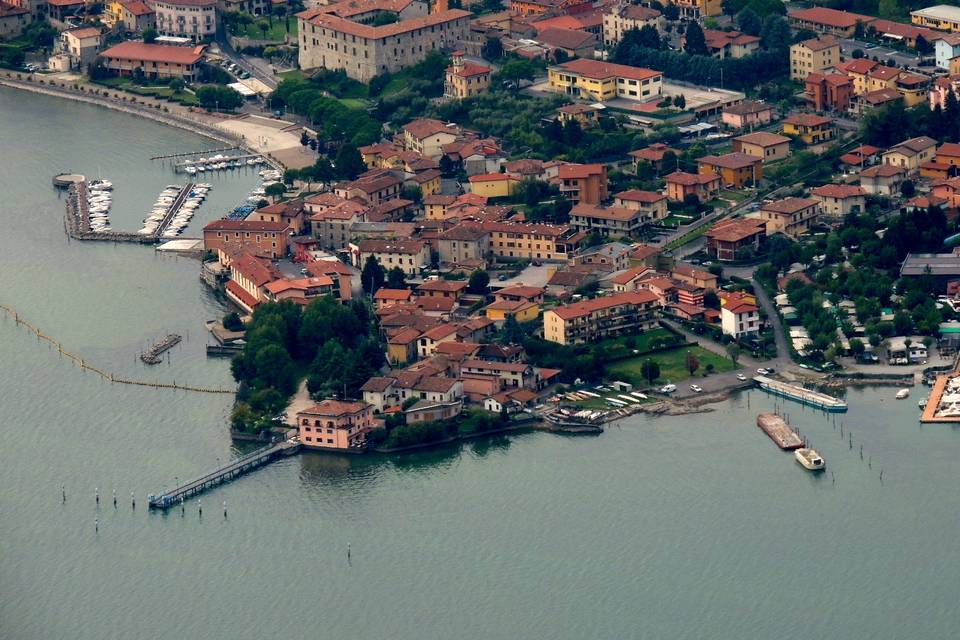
point(682, 527)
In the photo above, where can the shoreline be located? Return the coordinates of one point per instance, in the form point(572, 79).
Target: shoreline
point(131, 106)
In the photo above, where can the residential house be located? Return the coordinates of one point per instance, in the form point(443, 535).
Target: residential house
point(81, 46)
point(614, 254)
point(882, 179)
point(810, 128)
point(385, 297)
point(747, 115)
point(870, 100)
point(411, 256)
point(463, 243)
point(531, 241)
point(573, 43)
point(337, 425)
point(402, 345)
point(607, 221)
point(61, 10)
point(194, 19)
point(302, 291)
point(862, 156)
point(494, 185)
point(769, 147)
point(910, 154)
point(842, 24)
point(739, 318)
point(839, 200)
point(603, 317)
point(946, 48)
point(583, 183)
point(332, 218)
point(730, 238)
point(452, 289)
point(465, 79)
point(621, 18)
point(791, 216)
point(601, 81)
point(136, 15)
point(249, 276)
point(691, 275)
point(13, 19)
point(519, 293)
point(372, 187)
point(520, 310)
point(730, 44)
point(380, 393)
point(630, 279)
point(651, 204)
point(585, 115)
point(813, 56)
point(509, 375)
point(704, 186)
point(290, 212)
point(427, 136)
point(155, 60)
point(653, 154)
point(828, 91)
point(431, 411)
point(266, 239)
point(737, 170)
point(697, 9)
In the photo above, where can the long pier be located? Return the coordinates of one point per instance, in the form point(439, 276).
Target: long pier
point(799, 394)
point(78, 221)
point(228, 472)
point(188, 154)
point(179, 166)
point(174, 209)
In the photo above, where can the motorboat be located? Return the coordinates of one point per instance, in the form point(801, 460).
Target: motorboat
point(922, 403)
point(191, 170)
point(809, 458)
point(99, 183)
point(902, 394)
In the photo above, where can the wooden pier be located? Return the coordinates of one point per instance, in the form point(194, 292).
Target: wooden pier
point(153, 354)
point(228, 472)
point(195, 153)
point(180, 166)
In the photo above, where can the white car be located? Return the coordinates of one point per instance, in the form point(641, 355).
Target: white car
point(668, 388)
point(762, 371)
point(696, 388)
point(741, 377)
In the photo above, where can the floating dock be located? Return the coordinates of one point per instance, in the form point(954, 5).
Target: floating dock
point(779, 431)
point(154, 353)
point(228, 472)
point(799, 394)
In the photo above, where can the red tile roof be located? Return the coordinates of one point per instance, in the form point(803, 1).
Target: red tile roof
point(730, 161)
point(763, 139)
point(838, 191)
point(241, 294)
point(140, 51)
point(246, 225)
point(830, 17)
point(343, 25)
point(789, 205)
point(335, 408)
point(573, 170)
point(587, 307)
point(807, 120)
point(602, 70)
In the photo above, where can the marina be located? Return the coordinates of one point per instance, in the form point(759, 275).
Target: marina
point(779, 431)
point(943, 404)
point(799, 394)
point(225, 473)
point(154, 353)
point(218, 162)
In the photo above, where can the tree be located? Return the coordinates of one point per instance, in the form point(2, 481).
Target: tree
point(396, 279)
point(413, 193)
point(349, 163)
point(479, 281)
point(150, 35)
point(775, 33)
point(516, 70)
point(733, 350)
point(512, 332)
point(385, 18)
point(218, 97)
point(694, 42)
point(679, 101)
point(749, 22)
point(889, 9)
point(264, 26)
point(857, 54)
point(671, 11)
point(177, 85)
point(275, 190)
point(857, 347)
point(650, 370)
point(492, 49)
point(907, 188)
point(923, 46)
point(231, 322)
point(691, 362)
point(372, 276)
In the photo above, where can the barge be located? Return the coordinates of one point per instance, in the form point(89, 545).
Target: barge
point(779, 431)
point(799, 394)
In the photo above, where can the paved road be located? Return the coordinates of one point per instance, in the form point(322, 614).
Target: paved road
point(256, 67)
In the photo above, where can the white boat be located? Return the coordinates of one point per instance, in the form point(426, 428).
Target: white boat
point(101, 184)
point(191, 170)
point(922, 403)
point(903, 393)
point(809, 458)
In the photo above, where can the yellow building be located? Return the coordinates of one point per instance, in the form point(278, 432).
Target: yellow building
point(521, 310)
point(494, 185)
point(810, 128)
point(695, 9)
point(942, 17)
point(465, 79)
point(601, 81)
point(531, 241)
point(813, 56)
point(770, 147)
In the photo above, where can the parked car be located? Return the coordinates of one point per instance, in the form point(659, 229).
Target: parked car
point(762, 371)
point(741, 377)
point(668, 388)
point(696, 388)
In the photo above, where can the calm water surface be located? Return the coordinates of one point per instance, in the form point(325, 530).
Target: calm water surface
point(685, 527)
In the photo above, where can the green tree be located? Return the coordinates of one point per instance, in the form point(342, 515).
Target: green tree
point(396, 279)
point(694, 42)
point(264, 26)
point(733, 350)
point(231, 322)
point(857, 347)
point(516, 70)
point(372, 276)
point(274, 368)
point(749, 22)
point(385, 18)
point(150, 35)
point(492, 49)
point(691, 362)
point(650, 370)
point(177, 85)
point(413, 193)
point(275, 190)
point(479, 281)
point(218, 97)
point(349, 162)
point(775, 33)
point(907, 188)
point(889, 9)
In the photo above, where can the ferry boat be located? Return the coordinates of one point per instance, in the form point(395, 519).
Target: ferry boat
point(799, 394)
point(779, 431)
point(903, 394)
point(810, 459)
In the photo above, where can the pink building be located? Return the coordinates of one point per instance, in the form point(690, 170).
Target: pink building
point(747, 114)
point(336, 425)
point(942, 85)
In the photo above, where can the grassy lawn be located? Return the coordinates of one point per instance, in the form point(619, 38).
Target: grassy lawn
point(641, 341)
point(151, 91)
point(672, 365)
point(293, 74)
point(735, 196)
point(276, 33)
point(353, 103)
